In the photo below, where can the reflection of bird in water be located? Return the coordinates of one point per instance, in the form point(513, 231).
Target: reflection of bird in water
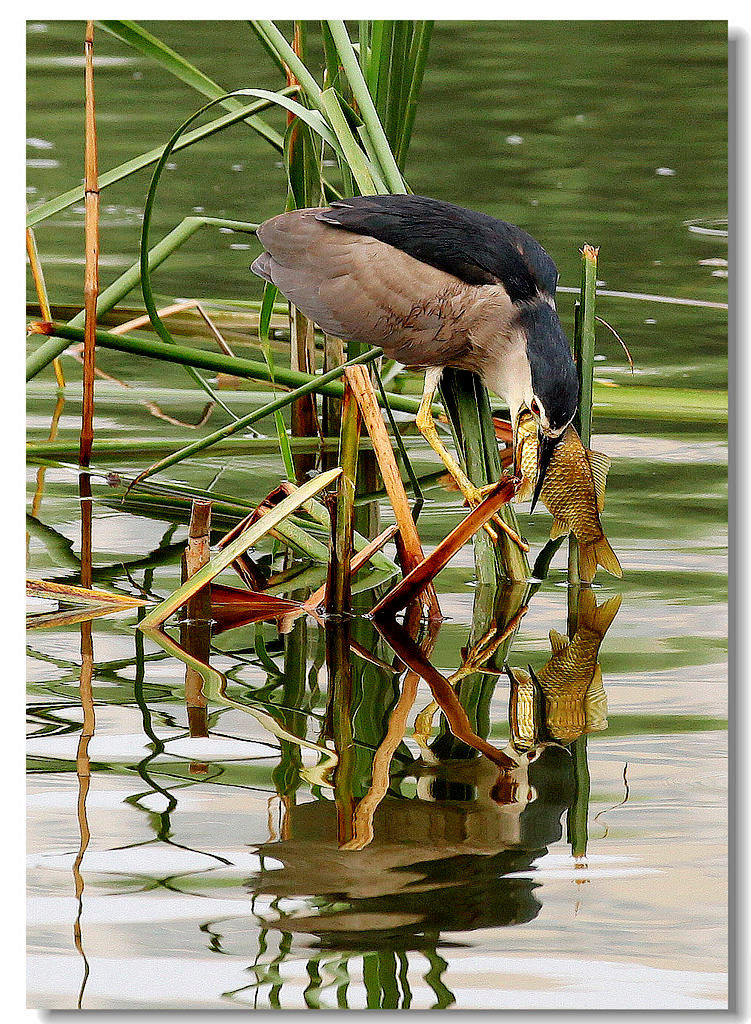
point(437, 862)
point(566, 699)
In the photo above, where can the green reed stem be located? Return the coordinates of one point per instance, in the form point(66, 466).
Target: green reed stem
point(578, 814)
point(584, 354)
point(468, 409)
point(338, 590)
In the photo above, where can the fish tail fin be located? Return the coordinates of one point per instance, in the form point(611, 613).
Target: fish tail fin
point(594, 617)
point(598, 552)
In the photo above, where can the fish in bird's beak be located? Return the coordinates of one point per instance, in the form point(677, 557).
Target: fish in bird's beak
point(545, 448)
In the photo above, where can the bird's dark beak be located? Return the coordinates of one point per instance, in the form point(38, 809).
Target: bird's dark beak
point(545, 448)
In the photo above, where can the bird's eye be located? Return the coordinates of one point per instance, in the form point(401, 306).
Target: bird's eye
point(535, 407)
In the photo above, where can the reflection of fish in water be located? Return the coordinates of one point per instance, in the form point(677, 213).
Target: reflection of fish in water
point(573, 491)
point(566, 699)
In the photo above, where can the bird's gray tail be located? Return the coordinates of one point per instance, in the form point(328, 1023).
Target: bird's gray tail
point(262, 266)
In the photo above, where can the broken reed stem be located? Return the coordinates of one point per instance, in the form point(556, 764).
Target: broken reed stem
point(224, 558)
point(41, 289)
point(359, 560)
point(197, 551)
point(339, 583)
point(584, 355)
point(195, 629)
point(91, 270)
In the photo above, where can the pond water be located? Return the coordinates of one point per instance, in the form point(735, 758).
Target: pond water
point(199, 854)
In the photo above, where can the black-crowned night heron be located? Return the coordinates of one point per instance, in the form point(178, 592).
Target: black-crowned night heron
point(434, 285)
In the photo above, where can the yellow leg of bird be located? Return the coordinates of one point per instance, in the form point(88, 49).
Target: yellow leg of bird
point(423, 728)
point(473, 494)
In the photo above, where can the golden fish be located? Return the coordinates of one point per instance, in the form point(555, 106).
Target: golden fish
point(573, 491)
point(566, 699)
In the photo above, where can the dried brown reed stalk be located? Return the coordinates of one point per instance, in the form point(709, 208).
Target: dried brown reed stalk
point(416, 581)
point(410, 548)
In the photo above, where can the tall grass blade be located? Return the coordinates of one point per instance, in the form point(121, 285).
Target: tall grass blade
point(292, 61)
point(356, 160)
point(389, 170)
point(269, 294)
point(417, 60)
point(135, 36)
point(266, 43)
point(138, 163)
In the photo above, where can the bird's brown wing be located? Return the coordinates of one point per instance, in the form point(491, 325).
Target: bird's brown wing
point(357, 287)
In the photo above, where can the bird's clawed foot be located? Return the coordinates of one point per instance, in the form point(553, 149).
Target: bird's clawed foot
point(474, 496)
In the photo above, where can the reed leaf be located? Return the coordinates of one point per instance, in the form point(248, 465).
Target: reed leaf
point(268, 46)
point(357, 161)
point(64, 594)
point(109, 298)
point(309, 117)
point(417, 60)
point(37, 274)
point(139, 163)
point(388, 167)
point(237, 547)
point(133, 35)
point(269, 294)
point(292, 61)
